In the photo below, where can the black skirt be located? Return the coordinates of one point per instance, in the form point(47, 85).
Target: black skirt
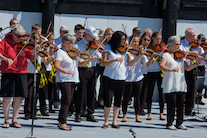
point(14, 85)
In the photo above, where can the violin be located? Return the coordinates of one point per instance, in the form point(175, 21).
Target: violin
point(73, 53)
point(181, 54)
point(29, 45)
point(136, 50)
point(160, 47)
point(149, 52)
point(122, 49)
point(195, 43)
point(203, 45)
point(84, 54)
point(95, 44)
point(43, 53)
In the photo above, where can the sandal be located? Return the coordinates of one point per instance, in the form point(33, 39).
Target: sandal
point(115, 126)
point(104, 126)
point(5, 125)
point(16, 125)
point(64, 127)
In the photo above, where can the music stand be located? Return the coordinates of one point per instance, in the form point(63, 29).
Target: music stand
point(199, 84)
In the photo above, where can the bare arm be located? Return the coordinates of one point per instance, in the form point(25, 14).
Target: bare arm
point(60, 69)
point(83, 63)
point(134, 61)
point(107, 62)
point(152, 59)
point(166, 69)
point(192, 66)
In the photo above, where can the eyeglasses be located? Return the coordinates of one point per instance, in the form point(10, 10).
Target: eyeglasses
point(146, 39)
point(19, 36)
point(177, 44)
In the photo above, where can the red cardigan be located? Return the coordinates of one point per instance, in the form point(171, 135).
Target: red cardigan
point(9, 49)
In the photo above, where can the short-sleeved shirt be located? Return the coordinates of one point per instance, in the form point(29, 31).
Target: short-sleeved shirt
point(67, 64)
point(173, 81)
point(114, 71)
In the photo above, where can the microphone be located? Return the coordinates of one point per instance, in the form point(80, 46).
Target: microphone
point(133, 133)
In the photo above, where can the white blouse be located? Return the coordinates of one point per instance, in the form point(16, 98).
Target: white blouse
point(114, 71)
point(135, 73)
point(173, 81)
point(67, 64)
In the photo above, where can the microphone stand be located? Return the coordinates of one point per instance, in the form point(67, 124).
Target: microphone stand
point(133, 133)
point(34, 93)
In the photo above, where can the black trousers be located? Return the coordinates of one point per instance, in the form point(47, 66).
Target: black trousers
point(189, 98)
point(113, 88)
point(67, 90)
point(134, 89)
point(173, 100)
point(101, 90)
point(152, 77)
point(87, 85)
point(29, 100)
point(143, 94)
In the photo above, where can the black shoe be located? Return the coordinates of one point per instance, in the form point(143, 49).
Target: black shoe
point(201, 103)
point(51, 111)
point(70, 113)
point(77, 119)
point(26, 117)
point(91, 118)
point(44, 112)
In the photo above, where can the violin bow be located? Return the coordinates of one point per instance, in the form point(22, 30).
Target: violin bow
point(127, 50)
point(19, 53)
point(124, 28)
point(99, 45)
point(48, 28)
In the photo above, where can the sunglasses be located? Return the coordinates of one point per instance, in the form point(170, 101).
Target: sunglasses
point(19, 36)
point(146, 40)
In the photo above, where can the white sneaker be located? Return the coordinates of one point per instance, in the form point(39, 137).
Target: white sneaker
point(172, 127)
point(182, 127)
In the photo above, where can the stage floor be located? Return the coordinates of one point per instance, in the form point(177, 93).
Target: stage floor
point(46, 127)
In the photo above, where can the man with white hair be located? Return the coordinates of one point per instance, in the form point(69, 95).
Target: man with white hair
point(190, 75)
point(87, 76)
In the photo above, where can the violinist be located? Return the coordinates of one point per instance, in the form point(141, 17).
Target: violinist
point(79, 32)
point(63, 30)
point(189, 75)
point(201, 67)
point(107, 33)
point(173, 84)
point(114, 76)
point(30, 80)
point(50, 72)
point(134, 80)
point(14, 80)
point(144, 41)
point(66, 78)
point(87, 75)
point(36, 28)
point(154, 74)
